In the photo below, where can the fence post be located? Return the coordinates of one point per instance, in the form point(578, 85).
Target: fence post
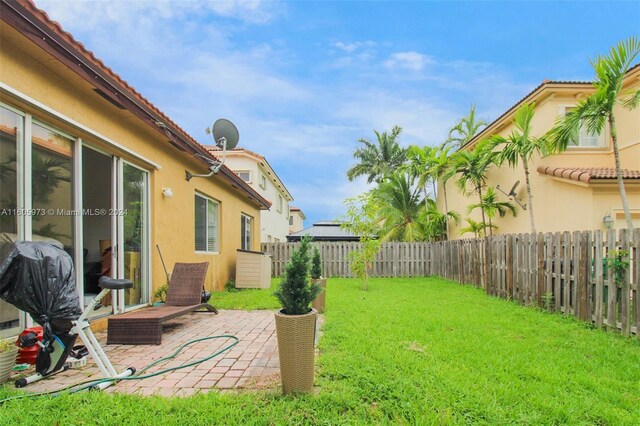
point(636, 279)
point(599, 284)
point(549, 271)
point(580, 271)
point(625, 323)
point(612, 287)
point(539, 268)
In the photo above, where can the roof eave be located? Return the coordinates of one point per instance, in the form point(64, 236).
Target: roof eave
point(544, 88)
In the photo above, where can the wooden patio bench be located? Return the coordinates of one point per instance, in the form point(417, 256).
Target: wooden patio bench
point(144, 326)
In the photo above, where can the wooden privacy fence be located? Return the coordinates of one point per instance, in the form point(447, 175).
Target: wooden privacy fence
point(563, 272)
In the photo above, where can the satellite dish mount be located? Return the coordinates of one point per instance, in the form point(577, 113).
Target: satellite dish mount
point(512, 194)
point(225, 136)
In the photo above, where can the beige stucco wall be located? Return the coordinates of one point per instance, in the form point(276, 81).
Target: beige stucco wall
point(559, 204)
point(29, 70)
point(298, 222)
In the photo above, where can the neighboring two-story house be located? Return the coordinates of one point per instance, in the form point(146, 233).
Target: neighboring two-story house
point(256, 171)
point(574, 190)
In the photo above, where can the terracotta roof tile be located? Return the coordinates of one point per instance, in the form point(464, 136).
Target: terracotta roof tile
point(587, 174)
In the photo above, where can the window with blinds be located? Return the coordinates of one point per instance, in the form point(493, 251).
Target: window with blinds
point(587, 139)
point(207, 218)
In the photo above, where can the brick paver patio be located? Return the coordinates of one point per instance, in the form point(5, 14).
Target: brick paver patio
point(252, 363)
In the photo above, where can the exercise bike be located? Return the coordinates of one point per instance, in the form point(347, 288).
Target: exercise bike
point(53, 361)
point(39, 278)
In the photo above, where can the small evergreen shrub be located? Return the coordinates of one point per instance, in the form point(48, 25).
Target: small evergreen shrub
point(295, 293)
point(316, 266)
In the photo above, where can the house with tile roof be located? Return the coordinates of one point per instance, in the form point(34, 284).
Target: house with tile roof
point(326, 230)
point(100, 170)
point(573, 190)
point(255, 171)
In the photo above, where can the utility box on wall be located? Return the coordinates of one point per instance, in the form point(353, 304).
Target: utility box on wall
point(253, 269)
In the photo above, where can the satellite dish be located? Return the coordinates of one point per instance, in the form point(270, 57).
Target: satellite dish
point(225, 136)
point(512, 193)
point(225, 131)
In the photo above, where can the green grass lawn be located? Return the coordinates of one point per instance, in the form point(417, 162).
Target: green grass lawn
point(414, 351)
point(247, 298)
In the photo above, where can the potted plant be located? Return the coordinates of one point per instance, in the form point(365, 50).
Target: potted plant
point(8, 353)
point(160, 295)
point(296, 323)
point(316, 278)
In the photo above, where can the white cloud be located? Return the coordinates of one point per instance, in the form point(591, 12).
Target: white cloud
point(353, 46)
point(408, 60)
point(100, 12)
point(422, 120)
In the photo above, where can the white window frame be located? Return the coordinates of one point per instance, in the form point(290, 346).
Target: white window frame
point(602, 137)
point(263, 182)
point(248, 172)
point(216, 248)
point(280, 203)
point(247, 223)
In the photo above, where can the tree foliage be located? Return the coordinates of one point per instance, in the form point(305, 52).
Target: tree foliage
point(378, 160)
point(492, 207)
point(316, 264)
point(464, 130)
point(295, 292)
point(521, 146)
point(362, 219)
point(472, 168)
point(399, 208)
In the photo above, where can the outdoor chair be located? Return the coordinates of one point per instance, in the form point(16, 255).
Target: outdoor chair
point(144, 326)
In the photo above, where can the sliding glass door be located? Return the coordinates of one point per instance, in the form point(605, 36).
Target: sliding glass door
point(133, 223)
point(11, 131)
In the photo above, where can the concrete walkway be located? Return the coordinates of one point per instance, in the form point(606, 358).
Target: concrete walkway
point(251, 364)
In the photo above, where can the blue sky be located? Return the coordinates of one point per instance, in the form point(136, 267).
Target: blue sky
point(304, 80)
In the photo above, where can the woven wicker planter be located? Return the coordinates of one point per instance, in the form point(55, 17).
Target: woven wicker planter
point(296, 337)
point(7, 361)
point(318, 303)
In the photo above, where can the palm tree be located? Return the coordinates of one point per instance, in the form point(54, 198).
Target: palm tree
point(474, 227)
point(377, 161)
point(441, 171)
point(491, 206)
point(419, 162)
point(399, 209)
point(472, 167)
point(596, 111)
point(521, 146)
point(465, 130)
point(436, 223)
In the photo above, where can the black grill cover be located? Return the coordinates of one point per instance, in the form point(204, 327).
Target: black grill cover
point(39, 279)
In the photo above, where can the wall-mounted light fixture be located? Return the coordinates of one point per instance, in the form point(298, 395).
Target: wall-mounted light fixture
point(608, 221)
point(167, 192)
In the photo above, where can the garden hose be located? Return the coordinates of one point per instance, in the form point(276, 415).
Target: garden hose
point(91, 384)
